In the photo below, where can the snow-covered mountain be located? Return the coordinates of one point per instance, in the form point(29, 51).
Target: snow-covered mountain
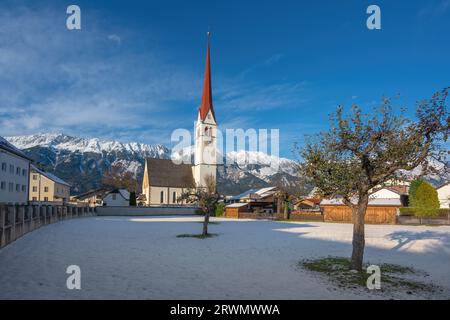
point(82, 162)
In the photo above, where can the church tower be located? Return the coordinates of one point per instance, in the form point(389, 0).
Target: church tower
point(205, 163)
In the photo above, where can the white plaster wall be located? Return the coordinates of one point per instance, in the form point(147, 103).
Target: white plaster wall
point(14, 196)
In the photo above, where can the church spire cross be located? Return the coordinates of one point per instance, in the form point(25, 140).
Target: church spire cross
point(207, 104)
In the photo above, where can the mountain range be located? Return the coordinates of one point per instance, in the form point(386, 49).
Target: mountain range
point(82, 162)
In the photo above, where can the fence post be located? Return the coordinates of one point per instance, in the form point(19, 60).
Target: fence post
point(45, 214)
point(32, 217)
point(20, 220)
point(13, 223)
point(27, 218)
point(2, 225)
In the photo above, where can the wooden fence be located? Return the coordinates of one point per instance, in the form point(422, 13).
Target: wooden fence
point(374, 214)
point(17, 220)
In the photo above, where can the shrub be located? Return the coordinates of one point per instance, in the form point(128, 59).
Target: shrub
point(407, 211)
point(413, 191)
point(220, 208)
point(426, 201)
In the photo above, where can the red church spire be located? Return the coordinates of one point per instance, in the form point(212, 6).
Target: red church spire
point(207, 103)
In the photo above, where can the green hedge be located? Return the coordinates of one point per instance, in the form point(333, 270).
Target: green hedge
point(411, 212)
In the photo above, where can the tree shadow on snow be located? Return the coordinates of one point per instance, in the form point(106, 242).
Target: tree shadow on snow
point(403, 238)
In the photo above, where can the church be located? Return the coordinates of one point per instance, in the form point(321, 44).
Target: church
point(164, 181)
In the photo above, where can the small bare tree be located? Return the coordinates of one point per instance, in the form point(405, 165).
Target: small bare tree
point(119, 177)
point(206, 197)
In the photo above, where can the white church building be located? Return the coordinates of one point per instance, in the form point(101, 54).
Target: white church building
point(164, 180)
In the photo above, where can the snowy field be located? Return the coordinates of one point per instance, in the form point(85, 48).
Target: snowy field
point(141, 258)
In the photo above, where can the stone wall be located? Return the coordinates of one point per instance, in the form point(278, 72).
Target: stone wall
point(146, 211)
point(17, 220)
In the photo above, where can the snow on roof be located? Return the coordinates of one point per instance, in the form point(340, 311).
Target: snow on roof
point(5, 145)
point(372, 202)
point(50, 176)
point(444, 185)
point(236, 205)
point(263, 192)
point(243, 194)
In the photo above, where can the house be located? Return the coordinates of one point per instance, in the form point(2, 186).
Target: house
point(261, 201)
point(383, 206)
point(14, 174)
point(399, 192)
point(308, 204)
point(46, 187)
point(117, 198)
point(92, 198)
point(165, 180)
point(444, 195)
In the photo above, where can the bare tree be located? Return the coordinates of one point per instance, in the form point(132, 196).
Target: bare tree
point(361, 153)
point(119, 177)
point(206, 197)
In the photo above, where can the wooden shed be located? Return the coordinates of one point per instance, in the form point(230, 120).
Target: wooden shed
point(379, 211)
point(233, 210)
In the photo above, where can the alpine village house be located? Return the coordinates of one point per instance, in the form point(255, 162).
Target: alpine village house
point(164, 180)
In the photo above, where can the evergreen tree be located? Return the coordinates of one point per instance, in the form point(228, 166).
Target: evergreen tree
point(426, 201)
point(413, 190)
point(132, 199)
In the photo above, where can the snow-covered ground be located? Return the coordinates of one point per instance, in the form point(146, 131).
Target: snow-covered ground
point(141, 258)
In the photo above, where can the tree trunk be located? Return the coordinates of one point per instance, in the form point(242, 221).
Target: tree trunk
point(279, 205)
point(205, 224)
point(358, 215)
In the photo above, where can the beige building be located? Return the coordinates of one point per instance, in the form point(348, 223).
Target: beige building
point(46, 187)
point(92, 198)
point(164, 180)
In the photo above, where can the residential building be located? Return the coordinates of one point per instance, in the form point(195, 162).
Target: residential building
point(117, 198)
point(262, 201)
point(444, 195)
point(46, 187)
point(92, 198)
point(14, 174)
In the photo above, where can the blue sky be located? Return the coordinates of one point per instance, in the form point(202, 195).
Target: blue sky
point(134, 72)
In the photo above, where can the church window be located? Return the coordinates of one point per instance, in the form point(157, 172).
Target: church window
point(174, 197)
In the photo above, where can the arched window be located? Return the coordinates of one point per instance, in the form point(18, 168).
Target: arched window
point(162, 197)
point(206, 131)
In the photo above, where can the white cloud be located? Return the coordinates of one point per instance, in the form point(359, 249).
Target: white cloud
point(56, 80)
point(115, 38)
point(53, 79)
